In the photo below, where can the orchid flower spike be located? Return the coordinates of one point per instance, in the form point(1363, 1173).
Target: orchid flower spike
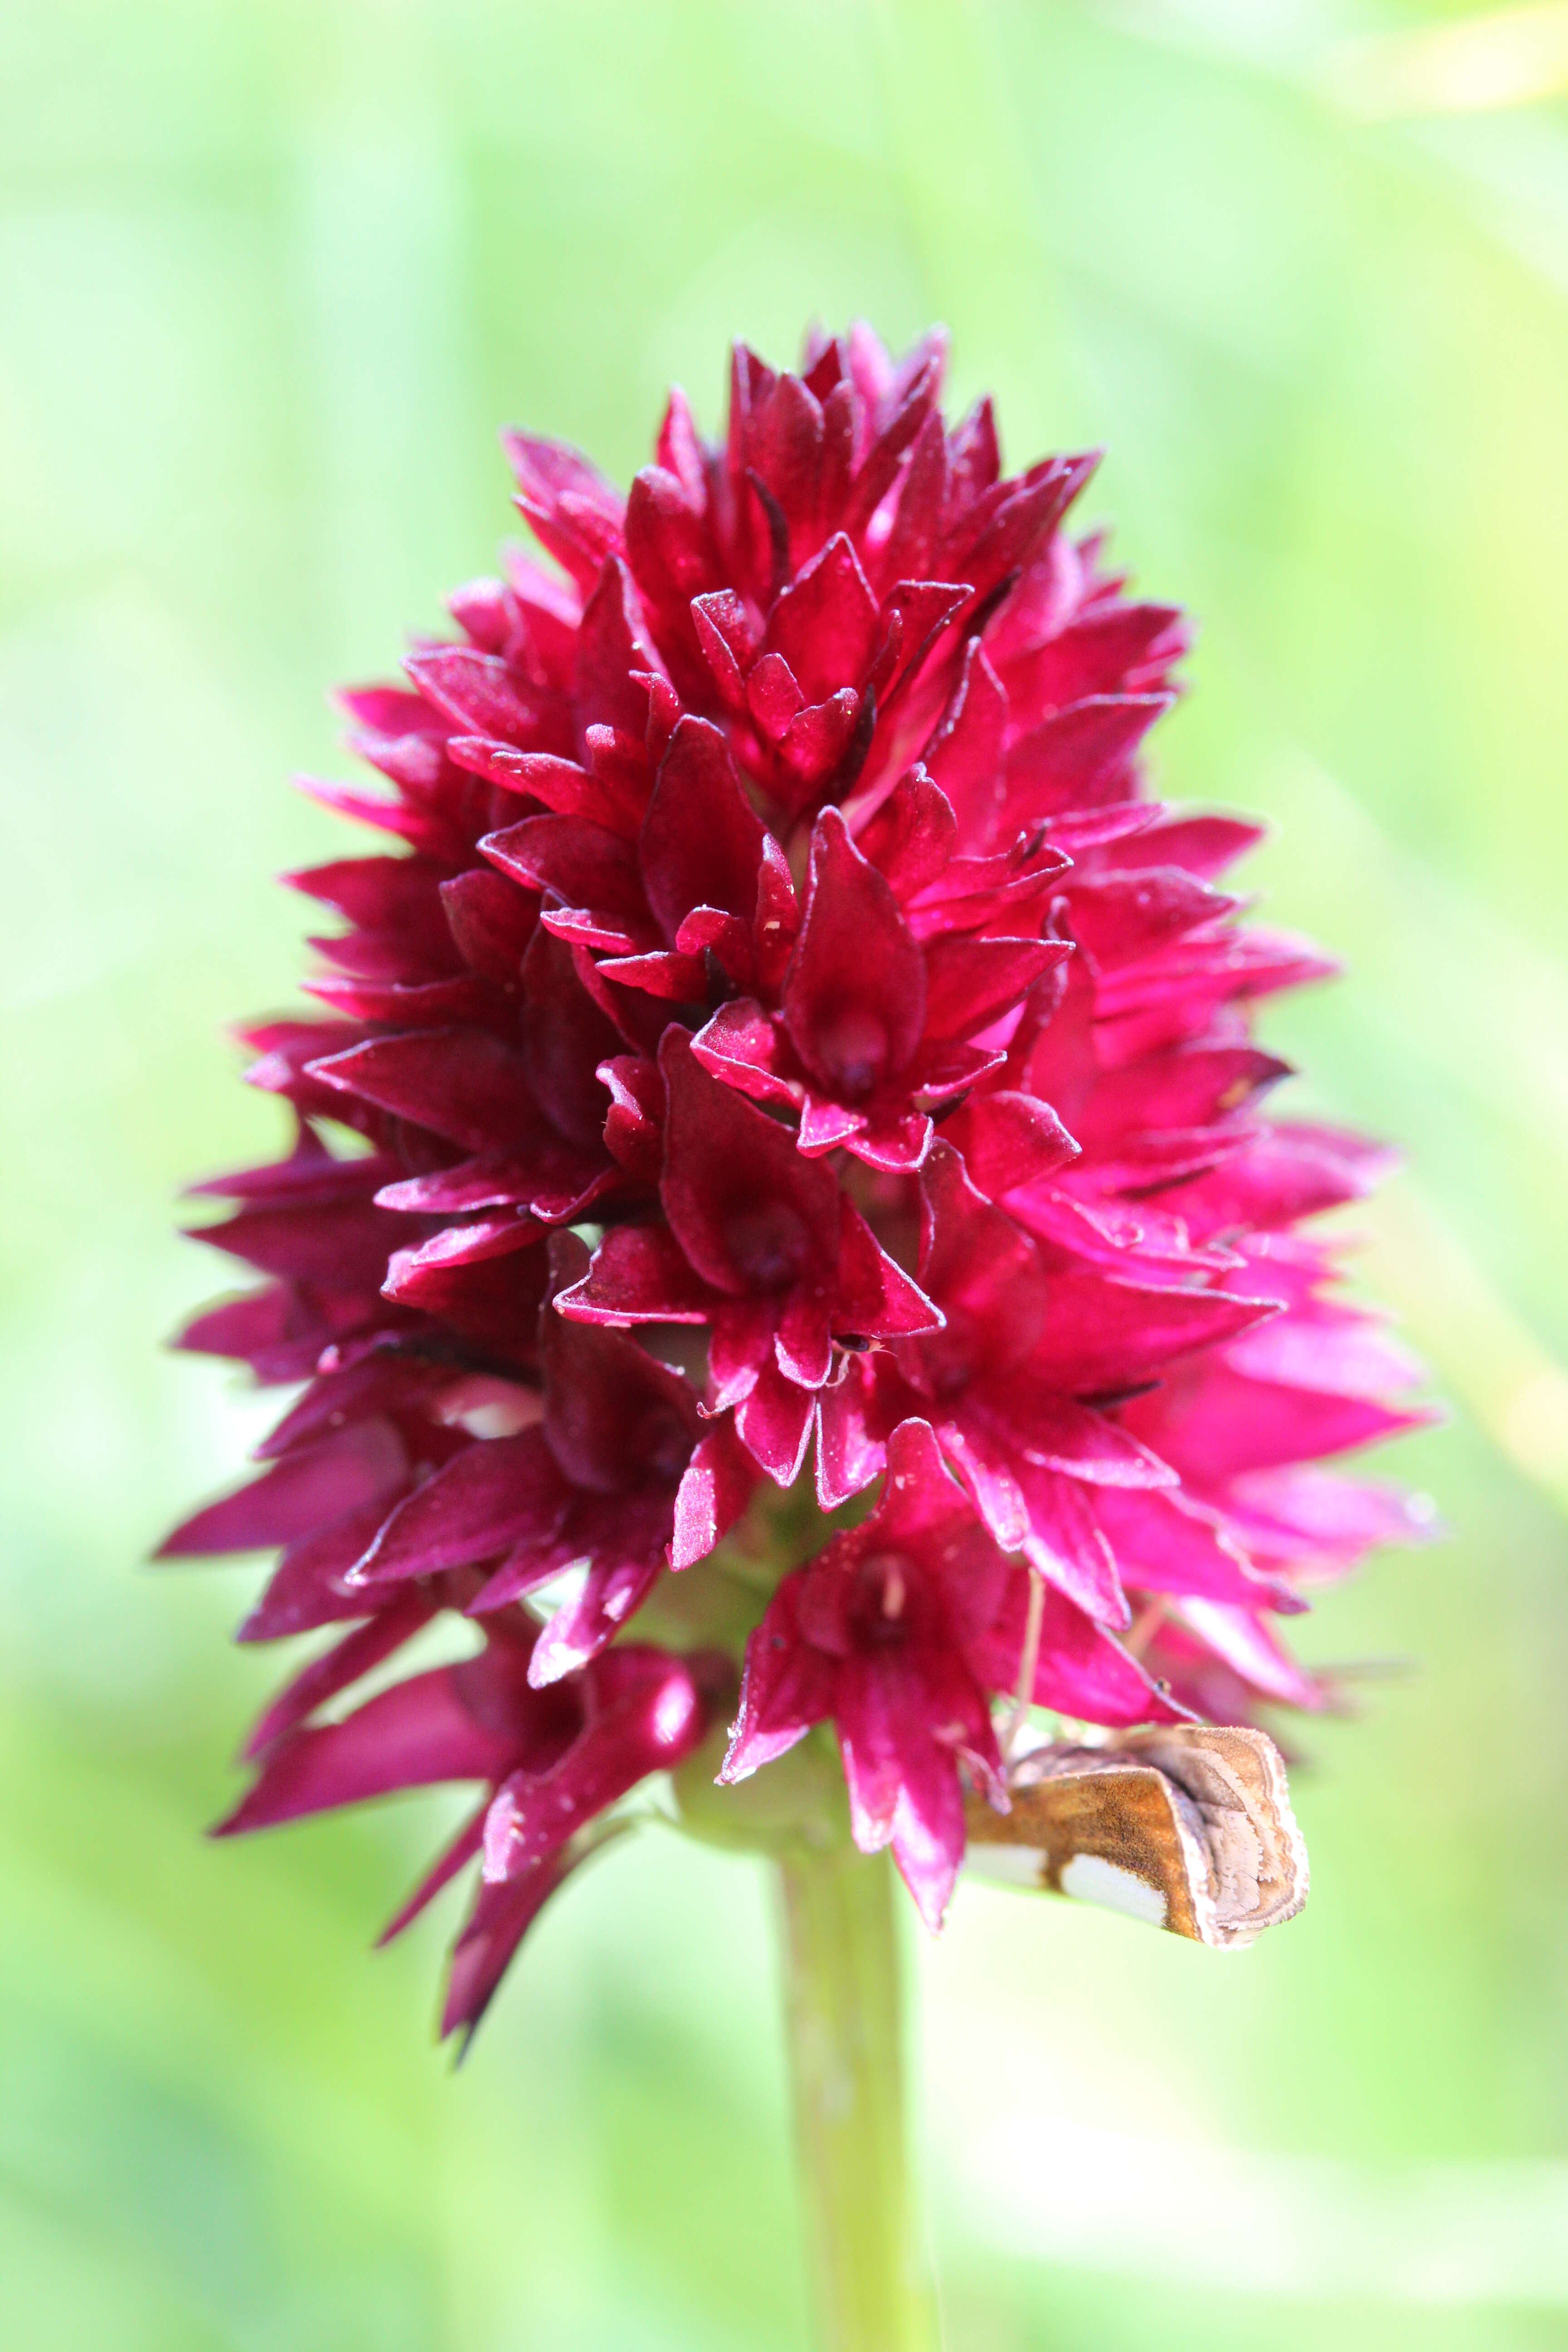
point(781, 1229)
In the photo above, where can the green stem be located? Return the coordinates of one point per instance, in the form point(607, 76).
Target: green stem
point(845, 2043)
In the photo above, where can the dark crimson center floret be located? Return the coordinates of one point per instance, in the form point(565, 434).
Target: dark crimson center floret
point(768, 1243)
point(658, 1445)
point(852, 1050)
point(776, 895)
point(880, 1608)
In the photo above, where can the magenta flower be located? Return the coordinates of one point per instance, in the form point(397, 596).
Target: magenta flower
point(787, 1050)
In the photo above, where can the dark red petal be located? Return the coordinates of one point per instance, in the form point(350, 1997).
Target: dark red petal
point(309, 1174)
point(463, 1849)
point(786, 442)
point(551, 1180)
point(544, 776)
point(1164, 1543)
point(499, 1919)
point(917, 518)
point(915, 613)
point(492, 922)
point(490, 1496)
point(802, 1342)
point(409, 1004)
point(1186, 1088)
point(899, 418)
point(680, 449)
point(634, 1128)
point(818, 739)
point(876, 1300)
point(825, 623)
point(1100, 1334)
point(752, 1216)
point(777, 916)
point(1008, 1138)
point(670, 978)
point(974, 1259)
point(1119, 916)
point(1081, 755)
point(617, 1585)
point(773, 695)
point(729, 639)
point(411, 1737)
point(964, 756)
point(971, 983)
point(566, 1036)
point(638, 1276)
point(740, 1344)
point(345, 1245)
point(575, 513)
point(1204, 844)
point(464, 1085)
point(774, 1424)
point(396, 896)
point(1213, 1424)
point(983, 1459)
point(1307, 1517)
point(343, 1664)
point(840, 432)
point(420, 828)
point(714, 1491)
point(1129, 645)
point(1240, 1637)
point(649, 1713)
point(671, 550)
point(609, 649)
point(743, 1046)
point(974, 455)
point(707, 931)
point(305, 1491)
point(310, 1585)
point(418, 1277)
point(1083, 1672)
point(1024, 519)
point(895, 1142)
point(1060, 1434)
point(584, 865)
point(1067, 1544)
point(912, 834)
point(850, 1455)
point(854, 999)
point(614, 1417)
point(701, 841)
point(1286, 1172)
point(493, 1303)
point(476, 692)
point(380, 1382)
point(903, 1783)
point(390, 711)
point(787, 1687)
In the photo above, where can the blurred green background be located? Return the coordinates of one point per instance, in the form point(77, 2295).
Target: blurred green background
point(270, 276)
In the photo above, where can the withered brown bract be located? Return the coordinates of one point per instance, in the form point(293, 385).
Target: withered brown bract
point(1188, 1827)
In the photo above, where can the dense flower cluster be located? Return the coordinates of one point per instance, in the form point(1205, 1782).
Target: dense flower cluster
point(787, 1045)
